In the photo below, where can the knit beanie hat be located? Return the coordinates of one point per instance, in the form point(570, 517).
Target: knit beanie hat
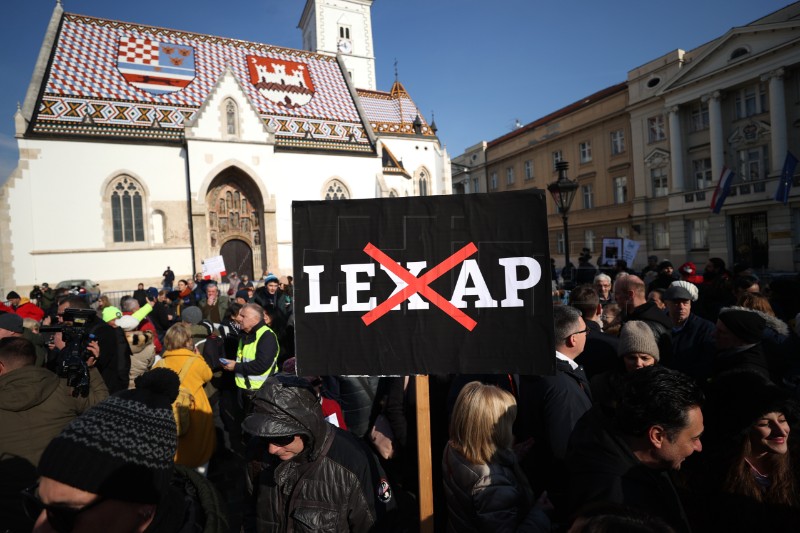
point(270, 277)
point(745, 324)
point(637, 337)
point(122, 448)
point(192, 314)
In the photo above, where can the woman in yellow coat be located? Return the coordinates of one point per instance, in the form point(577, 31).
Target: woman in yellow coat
point(197, 445)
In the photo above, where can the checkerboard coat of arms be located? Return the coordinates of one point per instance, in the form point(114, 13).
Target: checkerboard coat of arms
point(155, 67)
point(287, 83)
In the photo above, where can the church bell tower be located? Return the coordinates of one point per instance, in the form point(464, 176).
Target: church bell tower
point(342, 27)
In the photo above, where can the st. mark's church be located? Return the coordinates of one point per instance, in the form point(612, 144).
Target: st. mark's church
point(142, 147)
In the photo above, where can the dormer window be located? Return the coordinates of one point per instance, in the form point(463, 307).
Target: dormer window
point(739, 52)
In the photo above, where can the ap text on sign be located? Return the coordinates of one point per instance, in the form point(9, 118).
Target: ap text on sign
point(443, 284)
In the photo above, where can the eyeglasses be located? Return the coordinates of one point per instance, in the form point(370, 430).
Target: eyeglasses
point(60, 518)
point(280, 441)
point(577, 333)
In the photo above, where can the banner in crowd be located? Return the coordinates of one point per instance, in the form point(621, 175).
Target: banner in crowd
point(213, 266)
point(423, 285)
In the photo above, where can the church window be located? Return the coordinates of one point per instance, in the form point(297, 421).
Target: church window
point(423, 185)
point(344, 32)
point(336, 190)
point(127, 210)
point(231, 117)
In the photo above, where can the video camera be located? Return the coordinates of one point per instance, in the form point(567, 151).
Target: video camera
point(76, 332)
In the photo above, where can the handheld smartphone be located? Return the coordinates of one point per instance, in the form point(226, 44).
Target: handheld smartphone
point(223, 360)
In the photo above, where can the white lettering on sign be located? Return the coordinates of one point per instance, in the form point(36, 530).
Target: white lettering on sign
point(470, 282)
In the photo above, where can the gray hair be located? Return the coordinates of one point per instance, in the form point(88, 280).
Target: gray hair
point(566, 321)
point(602, 277)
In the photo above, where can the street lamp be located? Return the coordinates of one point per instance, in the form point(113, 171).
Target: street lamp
point(563, 192)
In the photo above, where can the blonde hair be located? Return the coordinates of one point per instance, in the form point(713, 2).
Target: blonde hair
point(481, 422)
point(178, 336)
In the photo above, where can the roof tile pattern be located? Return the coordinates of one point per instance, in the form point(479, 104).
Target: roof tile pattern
point(85, 92)
point(392, 112)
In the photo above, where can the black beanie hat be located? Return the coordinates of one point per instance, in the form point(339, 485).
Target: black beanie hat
point(123, 448)
point(746, 324)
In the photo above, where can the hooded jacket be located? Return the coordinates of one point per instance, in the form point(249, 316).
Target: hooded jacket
point(334, 484)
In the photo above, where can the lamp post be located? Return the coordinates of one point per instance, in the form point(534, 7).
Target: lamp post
point(563, 192)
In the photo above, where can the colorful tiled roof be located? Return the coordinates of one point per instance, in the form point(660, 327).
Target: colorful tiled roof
point(393, 112)
point(114, 79)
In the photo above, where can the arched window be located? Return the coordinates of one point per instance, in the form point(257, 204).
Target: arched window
point(336, 190)
point(231, 117)
point(127, 210)
point(422, 180)
point(423, 185)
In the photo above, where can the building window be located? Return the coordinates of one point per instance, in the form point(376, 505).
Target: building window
point(586, 151)
point(660, 236)
point(588, 196)
point(127, 210)
point(659, 179)
point(622, 232)
point(588, 239)
point(701, 170)
point(493, 181)
point(698, 234)
point(620, 190)
point(560, 242)
point(231, 117)
point(699, 117)
point(336, 190)
point(656, 130)
point(344, 32)
point(528, 170)
point(617, 142)
point(557, 157)
point(751, 101)
point(753, 163)
point(510, 176)
point(476, 185)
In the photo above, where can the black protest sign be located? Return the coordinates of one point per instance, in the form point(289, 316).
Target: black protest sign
point(423, 285)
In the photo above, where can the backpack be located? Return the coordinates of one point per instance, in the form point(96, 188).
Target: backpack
point(184, 403)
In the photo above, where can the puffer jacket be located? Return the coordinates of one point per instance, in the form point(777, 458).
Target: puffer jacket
point(143, 353)
point(334, 485)
point(488, 497)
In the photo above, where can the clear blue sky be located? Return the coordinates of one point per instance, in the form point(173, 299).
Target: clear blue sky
point(477, 65)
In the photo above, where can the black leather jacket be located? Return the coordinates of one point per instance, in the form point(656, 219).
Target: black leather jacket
point(334, 485)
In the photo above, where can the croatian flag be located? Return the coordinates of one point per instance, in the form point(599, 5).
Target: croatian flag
point(155, 67)
point(722, 190)
point(785, 185)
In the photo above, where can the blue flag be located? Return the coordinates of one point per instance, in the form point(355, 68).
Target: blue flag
point(785, 184)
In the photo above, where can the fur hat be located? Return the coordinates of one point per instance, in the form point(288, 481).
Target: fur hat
point(122, 448)
point(111, 313)
point(746, 324)
point(127, 322)
point(11, 322)
point(681, 290)
point(637, 337)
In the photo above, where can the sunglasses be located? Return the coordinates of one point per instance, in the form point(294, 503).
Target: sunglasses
point(280, 441)
point(60, 518)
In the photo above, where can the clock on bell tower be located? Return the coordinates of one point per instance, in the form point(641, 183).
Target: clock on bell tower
point(342, 27)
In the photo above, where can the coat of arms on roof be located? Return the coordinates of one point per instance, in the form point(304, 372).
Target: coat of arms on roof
point(287, 83)
point(155, 67)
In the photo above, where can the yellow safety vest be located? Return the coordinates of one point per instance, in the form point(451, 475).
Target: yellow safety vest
point(247, 353)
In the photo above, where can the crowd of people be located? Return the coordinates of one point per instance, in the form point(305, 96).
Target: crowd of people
point(179, 409)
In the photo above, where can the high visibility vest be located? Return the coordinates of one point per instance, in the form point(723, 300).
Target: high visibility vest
point(247, 353)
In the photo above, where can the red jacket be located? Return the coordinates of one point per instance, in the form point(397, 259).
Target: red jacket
point(28, 310)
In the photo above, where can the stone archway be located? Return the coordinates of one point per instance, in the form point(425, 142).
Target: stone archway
point(235, 215)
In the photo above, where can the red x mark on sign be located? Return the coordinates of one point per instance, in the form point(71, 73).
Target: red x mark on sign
point(420, 285)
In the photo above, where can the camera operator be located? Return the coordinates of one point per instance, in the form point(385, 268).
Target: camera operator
point(35, 405)
point(113, 363)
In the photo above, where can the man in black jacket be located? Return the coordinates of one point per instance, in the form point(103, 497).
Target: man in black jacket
point(600, 353)
point(299, 461)
point(692, 336)
point(550, 406)
point(627, 460)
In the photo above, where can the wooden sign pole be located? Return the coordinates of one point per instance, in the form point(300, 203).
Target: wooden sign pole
point(424, 455)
